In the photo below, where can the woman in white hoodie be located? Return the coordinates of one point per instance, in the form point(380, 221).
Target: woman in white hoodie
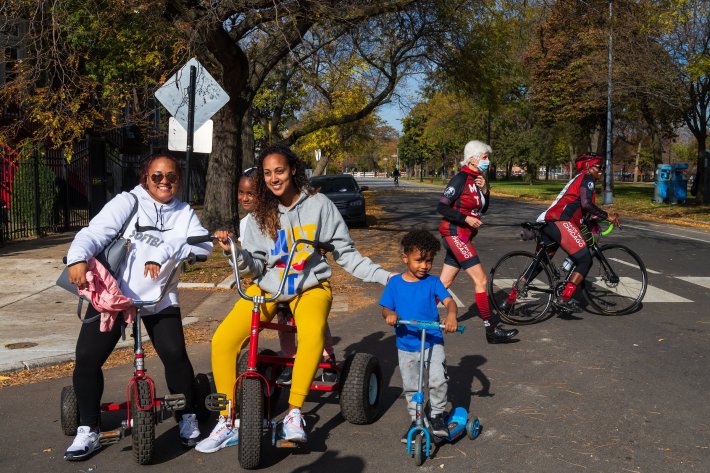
point(158, 233)
point(287, 209)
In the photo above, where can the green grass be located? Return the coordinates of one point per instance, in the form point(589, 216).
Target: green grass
point(628, 198)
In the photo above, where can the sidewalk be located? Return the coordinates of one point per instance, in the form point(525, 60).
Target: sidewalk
point(38, 322)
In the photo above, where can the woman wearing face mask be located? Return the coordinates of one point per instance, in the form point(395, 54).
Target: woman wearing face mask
point(461, 205)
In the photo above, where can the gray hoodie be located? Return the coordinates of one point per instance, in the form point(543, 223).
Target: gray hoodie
point(313, 217)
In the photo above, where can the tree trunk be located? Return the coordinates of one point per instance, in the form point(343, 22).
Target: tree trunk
point(248, 140)
point(220, 211)
point(703, 187)
point(321, 166)
point(636, 164)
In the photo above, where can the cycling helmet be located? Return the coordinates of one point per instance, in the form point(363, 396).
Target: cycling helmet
point(584, 161)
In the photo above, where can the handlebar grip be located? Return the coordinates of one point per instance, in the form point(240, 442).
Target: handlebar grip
point(195, 240)
point(325, 246)
point(201, 258)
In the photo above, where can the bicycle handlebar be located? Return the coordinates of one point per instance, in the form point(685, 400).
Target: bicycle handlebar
point(284, 275)
point(427, 325)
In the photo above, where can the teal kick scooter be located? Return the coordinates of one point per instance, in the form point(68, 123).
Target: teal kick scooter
point(420, 437)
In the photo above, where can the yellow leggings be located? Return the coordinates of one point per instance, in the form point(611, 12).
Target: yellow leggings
point(310, 311)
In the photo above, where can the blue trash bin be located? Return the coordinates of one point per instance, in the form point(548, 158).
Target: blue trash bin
point(680, 183)
point(663, 183)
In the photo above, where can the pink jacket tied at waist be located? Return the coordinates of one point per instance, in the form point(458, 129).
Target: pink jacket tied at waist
point(104, 294)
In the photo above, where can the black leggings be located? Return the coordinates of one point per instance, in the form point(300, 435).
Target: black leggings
point(94, 347)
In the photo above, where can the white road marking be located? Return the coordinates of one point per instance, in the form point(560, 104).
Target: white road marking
point(633, 265)
point(646, 229)
point(653, 294)
point(456, 299)
point(697, 280)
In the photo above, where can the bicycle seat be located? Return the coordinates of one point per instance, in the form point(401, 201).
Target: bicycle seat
point(283, 308)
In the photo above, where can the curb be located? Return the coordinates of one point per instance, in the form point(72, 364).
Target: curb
point(66, 357)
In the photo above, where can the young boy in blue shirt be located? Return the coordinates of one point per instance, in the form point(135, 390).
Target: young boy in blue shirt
point(413, 295)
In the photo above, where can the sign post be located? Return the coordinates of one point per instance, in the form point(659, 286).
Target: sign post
point(191, 96)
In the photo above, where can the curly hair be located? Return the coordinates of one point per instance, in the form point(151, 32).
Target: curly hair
point(421, 240)
point(266, 204)
point(145, 165)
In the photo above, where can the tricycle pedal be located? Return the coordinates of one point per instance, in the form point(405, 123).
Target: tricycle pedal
point(216, 402)
point(175, 402)
point(281, 443)
point(111, 436)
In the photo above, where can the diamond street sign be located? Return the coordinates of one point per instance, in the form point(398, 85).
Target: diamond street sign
point(209, 95)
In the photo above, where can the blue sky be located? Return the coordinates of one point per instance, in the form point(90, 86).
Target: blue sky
point(395, 111)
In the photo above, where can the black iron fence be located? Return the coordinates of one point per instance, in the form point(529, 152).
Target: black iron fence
point(43, 191)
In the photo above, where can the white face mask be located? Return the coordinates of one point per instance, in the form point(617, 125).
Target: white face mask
point(483, 165)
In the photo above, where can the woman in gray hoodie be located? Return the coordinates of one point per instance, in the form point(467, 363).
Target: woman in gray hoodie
point(287, 209)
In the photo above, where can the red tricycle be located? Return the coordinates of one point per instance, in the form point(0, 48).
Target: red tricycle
point(256, 390)
point(143, 406)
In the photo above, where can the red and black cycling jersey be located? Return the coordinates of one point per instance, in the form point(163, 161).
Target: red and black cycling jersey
point(460, 199)
point(574, 202)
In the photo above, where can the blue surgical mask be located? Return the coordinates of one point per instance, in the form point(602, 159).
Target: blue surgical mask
point(483, 165)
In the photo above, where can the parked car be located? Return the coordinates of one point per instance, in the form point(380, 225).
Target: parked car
point(346, 194)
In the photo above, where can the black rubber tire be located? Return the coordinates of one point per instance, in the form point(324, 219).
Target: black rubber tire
point(418, 447)
point(70, 411)
point(361, 391)
point(143, 428)
point(251, 418)
point(616, 297)
point(203, 387)
point(536, 304)
point(267, 371)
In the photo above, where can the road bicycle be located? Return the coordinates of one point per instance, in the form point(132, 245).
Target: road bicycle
point(615, 285)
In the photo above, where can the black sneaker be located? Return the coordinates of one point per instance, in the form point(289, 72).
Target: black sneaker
point(439, 426)
point(329, 375)
point(406, 432)
point(500, 334)
point(285, 376)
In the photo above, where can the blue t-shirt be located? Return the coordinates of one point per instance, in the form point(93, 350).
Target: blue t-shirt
point(414, 301)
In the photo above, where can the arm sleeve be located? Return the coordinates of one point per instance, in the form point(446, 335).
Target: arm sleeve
point(440, 291)
point(449, 196)
point(91, 240)
point(586, 196)
point(486, 201)
point(345, 253)
point(387, 298)
point(177, 248)
point(252, 259)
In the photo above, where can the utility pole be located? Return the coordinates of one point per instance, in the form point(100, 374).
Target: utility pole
point(609, 175)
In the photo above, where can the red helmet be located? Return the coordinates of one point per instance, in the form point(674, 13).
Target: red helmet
point(585, 161)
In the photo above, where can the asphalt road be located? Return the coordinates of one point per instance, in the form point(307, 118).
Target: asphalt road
point(585, 393)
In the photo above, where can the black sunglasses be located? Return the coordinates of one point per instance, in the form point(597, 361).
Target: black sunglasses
point(157, 177)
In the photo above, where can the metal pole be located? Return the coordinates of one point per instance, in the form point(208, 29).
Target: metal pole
point(38, 204)
point(190, 129)
point(609, 175)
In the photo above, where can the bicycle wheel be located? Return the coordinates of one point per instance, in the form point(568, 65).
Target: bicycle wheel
point(143, 428)
point(512, 272)
point(251, 421)
point(617, 281)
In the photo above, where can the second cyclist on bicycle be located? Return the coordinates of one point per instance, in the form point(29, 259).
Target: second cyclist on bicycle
point(563, 220)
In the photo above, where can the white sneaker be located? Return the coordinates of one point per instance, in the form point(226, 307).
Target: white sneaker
point(189, 430)
point(223, 435)
point(85, 443)
point(293, 426)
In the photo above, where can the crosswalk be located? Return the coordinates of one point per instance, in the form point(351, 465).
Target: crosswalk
point(654, 294)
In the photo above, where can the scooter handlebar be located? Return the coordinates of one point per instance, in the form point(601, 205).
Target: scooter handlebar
point(428, 325)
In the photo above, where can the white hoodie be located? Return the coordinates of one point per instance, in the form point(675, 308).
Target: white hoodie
point(163, 242)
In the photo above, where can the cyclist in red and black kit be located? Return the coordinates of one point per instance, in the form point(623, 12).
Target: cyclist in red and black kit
point(564, 217)
point(463, 202)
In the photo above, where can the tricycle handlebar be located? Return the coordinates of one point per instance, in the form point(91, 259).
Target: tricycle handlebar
point(427, 325)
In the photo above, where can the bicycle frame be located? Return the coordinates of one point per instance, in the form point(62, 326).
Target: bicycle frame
point(254, 358)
